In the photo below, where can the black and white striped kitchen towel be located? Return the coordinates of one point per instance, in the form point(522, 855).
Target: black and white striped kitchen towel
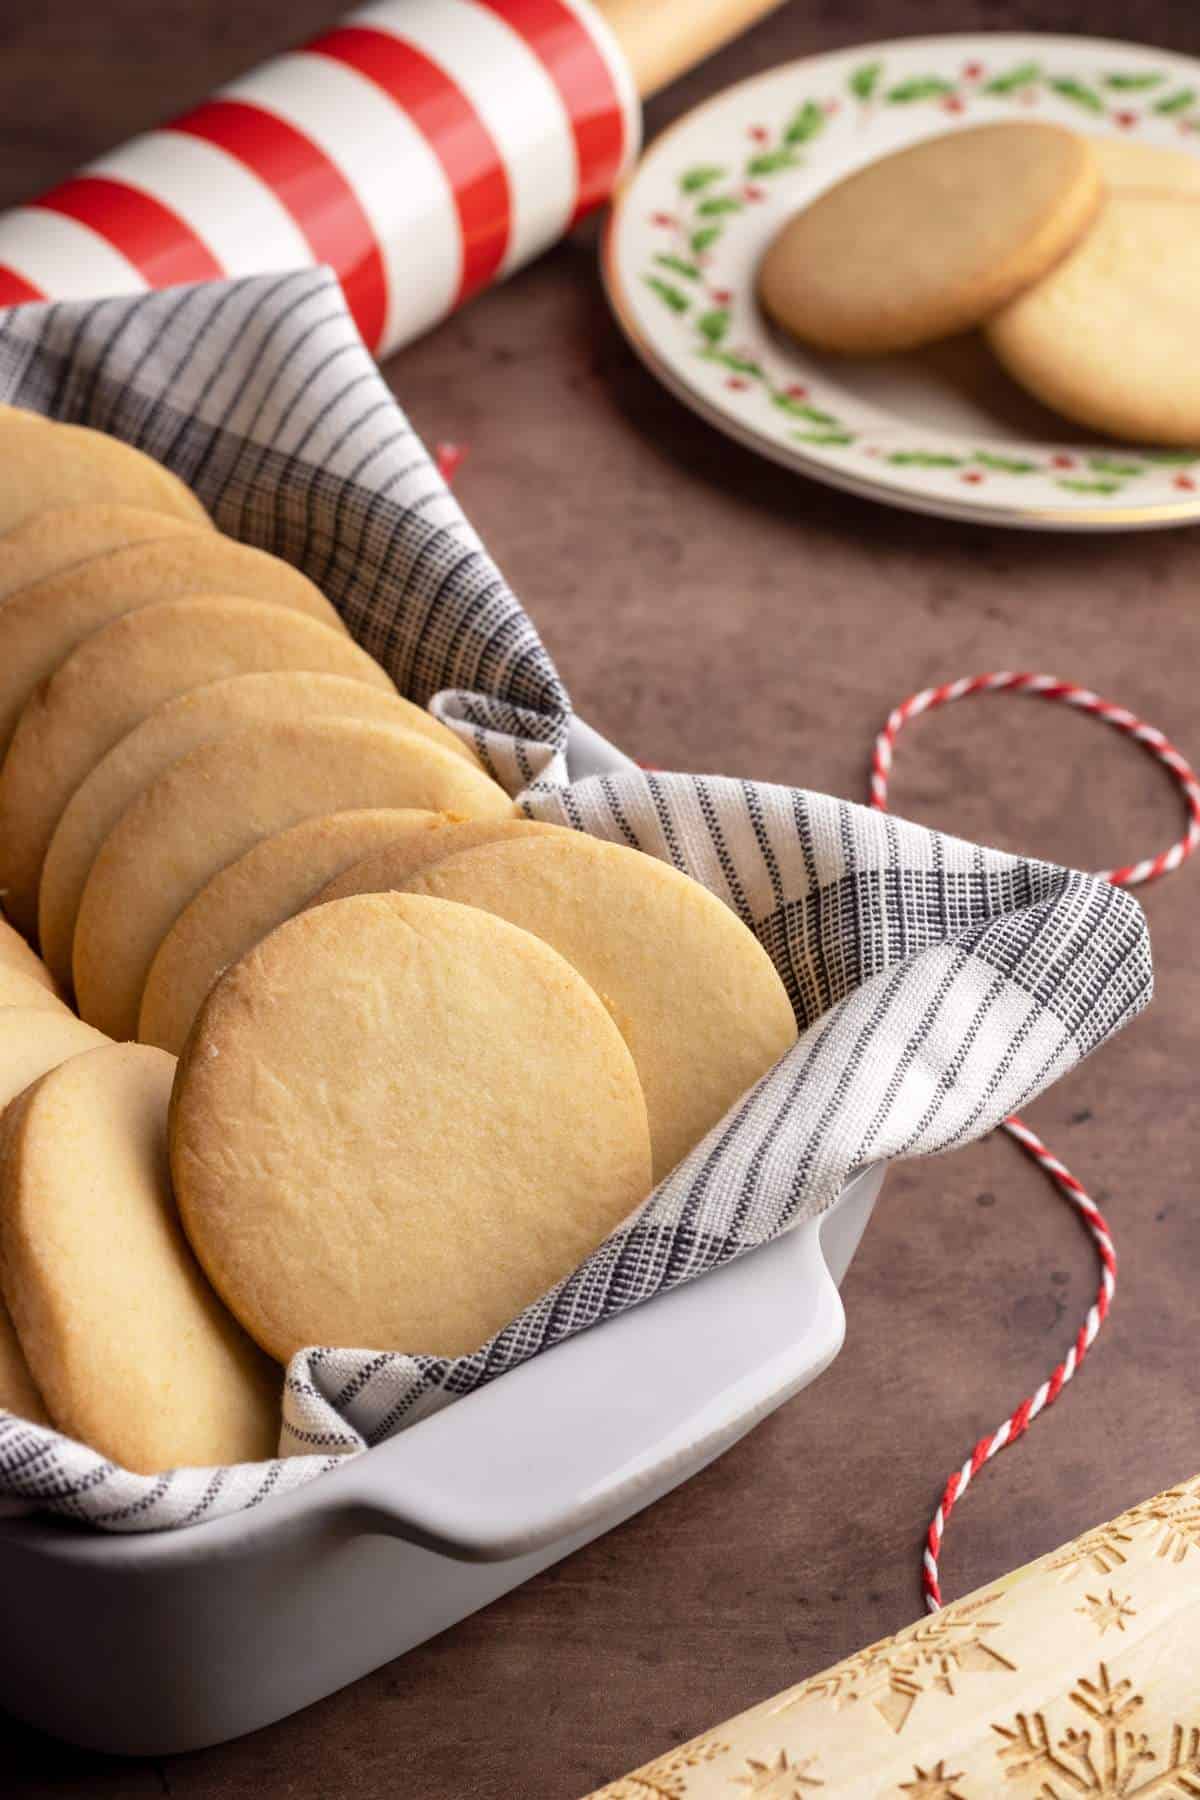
point(938, 986)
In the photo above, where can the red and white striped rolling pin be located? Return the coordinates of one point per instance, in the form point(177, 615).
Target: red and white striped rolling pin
point(423, 148)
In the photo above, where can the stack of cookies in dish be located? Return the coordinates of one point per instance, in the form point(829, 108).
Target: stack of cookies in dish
point(1078, 258)
point(356, 1054)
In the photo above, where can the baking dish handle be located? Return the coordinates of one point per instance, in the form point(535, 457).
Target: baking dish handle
point(596, 1428)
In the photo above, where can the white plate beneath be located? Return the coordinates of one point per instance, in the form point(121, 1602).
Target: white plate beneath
point(939, 431)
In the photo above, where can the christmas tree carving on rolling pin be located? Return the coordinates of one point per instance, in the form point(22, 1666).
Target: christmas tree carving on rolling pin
point(1076, 1678)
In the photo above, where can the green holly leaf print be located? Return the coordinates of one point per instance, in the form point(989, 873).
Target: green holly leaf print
point(702, 239)
point(729, 359)
point(800, 409)
point(670, 296)
point(770, 162)
point(1177, 102)
point(713, 325)
point(1077, 93)
point(1089, 487)
point(921, 87)
point(718, 205)
point(1023, 75)
point(865, 80)
point(1115, 465)
point(804, 124)
point(1005, 465)
point(1133, 84)
point(679, 266)
point(925, 459)
point(1173, 458)
point(692, 181)
point(830, 439)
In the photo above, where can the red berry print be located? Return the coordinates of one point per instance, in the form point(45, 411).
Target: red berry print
point(953, 103)
point(1062, 462)
point(972, 71)
point(973, 476)
point(753, 192)
point(796, 390)
point(829, 107)
point(737, 383)
point(450, 459)
point(720, 296)
point(1125, 119)
point(759, 133)
point(1186, 483)
point(662, 218)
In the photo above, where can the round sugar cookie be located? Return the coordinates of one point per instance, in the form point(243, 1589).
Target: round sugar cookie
point(113, 680)
point(16, 956)
point(213, 805)
point(930, 240)
point(396, 1123)
point(387, 869)
point(132, 1351)
point(19, 989)
point(1108, 338)
point(71, 465)
point(48, 542)
point(41, 624)
point(692, 990)
point(1124, 163)
point(275, 879)
point(18, 1390)
point(169, 732)
point(34, 1039)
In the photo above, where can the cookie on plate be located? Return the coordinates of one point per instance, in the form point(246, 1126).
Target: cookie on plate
point(71, 465)
point(1108, 338)
point(1125, 162)
point(693, 991)
point(131, 1350)
point(114, 679)
point(397, 1122)
point(930, 240)
point(197, 717)
point(214, 805)
point(275, 879)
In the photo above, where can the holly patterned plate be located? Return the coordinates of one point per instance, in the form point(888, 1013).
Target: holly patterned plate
point(940, 431)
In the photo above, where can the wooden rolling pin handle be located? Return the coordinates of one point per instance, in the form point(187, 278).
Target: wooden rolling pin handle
point(1075, 1677)
point(662, 39)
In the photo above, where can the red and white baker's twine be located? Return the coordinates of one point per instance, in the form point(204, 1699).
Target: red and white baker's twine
point(1045, 687)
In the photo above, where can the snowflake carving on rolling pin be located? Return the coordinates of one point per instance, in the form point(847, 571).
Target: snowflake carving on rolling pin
point(1105, 1759)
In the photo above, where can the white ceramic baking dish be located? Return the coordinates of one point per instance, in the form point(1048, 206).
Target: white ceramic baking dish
point(168, 1641)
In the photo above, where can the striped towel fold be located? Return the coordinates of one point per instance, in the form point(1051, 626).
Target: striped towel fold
point(938, 985)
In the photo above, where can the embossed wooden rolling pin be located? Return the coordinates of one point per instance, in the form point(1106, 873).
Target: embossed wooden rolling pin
point(1077, 1676)
point(422, 148)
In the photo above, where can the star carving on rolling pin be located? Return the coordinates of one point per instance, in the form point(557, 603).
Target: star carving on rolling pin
point(933, 1784)
point(780, 1779)
point(1106, 1610)
point(1103, 1759)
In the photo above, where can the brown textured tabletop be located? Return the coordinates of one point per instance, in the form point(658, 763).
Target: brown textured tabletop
point(712, 612)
